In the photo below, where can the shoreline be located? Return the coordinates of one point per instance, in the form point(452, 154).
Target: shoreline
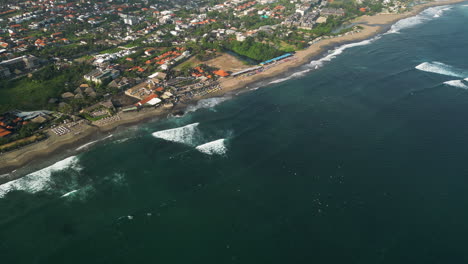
point(38, 153)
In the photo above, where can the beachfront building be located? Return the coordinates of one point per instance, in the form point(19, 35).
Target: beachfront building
point(151, 100)
point(251, 69)
point(282, 57)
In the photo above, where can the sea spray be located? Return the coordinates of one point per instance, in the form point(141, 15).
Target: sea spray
point(185, 135)
point(208, 103)
point(92, 143)
point(339, 50)
point(69, 193)
point(457, 83)
point(294, 75)
point(41, 179)
point(426, 15)
point(441, 68)
point(86, 145)
point(217, 147)
point(80, 194)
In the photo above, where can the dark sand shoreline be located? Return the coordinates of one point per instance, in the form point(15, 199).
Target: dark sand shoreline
point(32, 157)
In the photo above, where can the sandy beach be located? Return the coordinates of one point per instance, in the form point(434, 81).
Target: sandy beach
point(371, 26)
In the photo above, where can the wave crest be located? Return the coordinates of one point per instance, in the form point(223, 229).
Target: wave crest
point(217, 147)
point(441, 68)
point(457, 83)
point(206, 103)
point(333, 54)
point(185, 135)
point(41, 179)
point(294, 75)
point(426, 15)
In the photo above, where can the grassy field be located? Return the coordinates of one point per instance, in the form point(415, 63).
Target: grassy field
point(112, 50)
point(23, 141)
point(287, 47)
point(34, 93)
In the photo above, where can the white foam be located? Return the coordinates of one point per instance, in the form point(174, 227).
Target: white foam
point(206, 103)
point(39, 180)
point(294, 75)
point(68, 193)
point(93, 142)
point(441, 68)
point(440, 12)
point(80, 194)
point(86, 145)
point(118, 178)
point(334, 53)
point(457, 83)
point(109, 136)
point(122, 140)
point(217, 147)
point(426, 15)
point(184, 135)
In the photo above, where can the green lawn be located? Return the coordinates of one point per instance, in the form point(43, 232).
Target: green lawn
point(287, 47)
point(34, 93)
point(112, 50)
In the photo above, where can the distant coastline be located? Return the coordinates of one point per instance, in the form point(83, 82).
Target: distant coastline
point(41, 151)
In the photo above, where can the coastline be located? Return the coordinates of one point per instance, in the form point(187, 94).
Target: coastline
point(372, 27)
point(35, 153)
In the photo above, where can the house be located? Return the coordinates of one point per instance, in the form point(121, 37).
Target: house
point(221, 73)
point(131, 20)
point(158, 75)
point(26, 62)
point(4, 132)
point(332, 12)
point(68, 95)
point(303, 9)
point(150, 100)
point(99, 76)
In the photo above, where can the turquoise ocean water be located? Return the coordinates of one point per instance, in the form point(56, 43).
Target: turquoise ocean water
point(362, 160)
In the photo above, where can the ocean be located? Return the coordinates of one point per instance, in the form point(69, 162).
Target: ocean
point(359, 157)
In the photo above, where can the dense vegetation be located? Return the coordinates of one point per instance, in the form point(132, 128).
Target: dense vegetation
point(25, 131)
point(33, 93)
point(352, 7)
point(254, 50)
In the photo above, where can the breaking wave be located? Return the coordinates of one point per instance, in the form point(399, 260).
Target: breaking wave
point(441, 68)
point(121, 140)
point(334, 53)
point(93, 142)
point(69, 193)
point(294, 75)
point(79, 194)
point(426, 15)
point(41, 179)
point(440, 12)
point(217, 147)
point(206, 103)
point(185, 135)
point(457, 83)
point(87, 145)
